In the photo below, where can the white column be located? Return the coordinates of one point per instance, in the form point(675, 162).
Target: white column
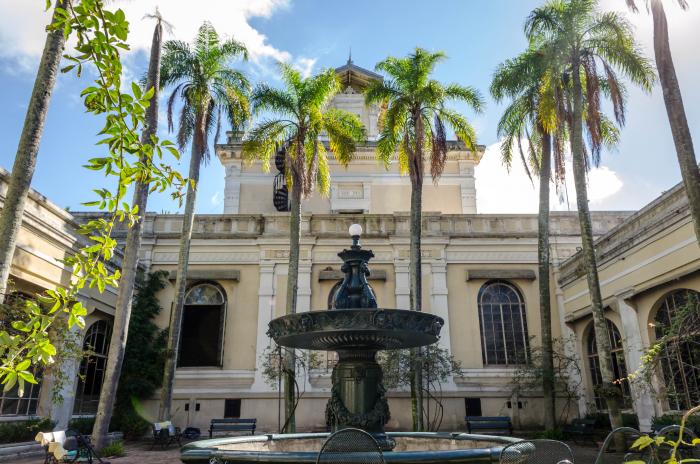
point(438, 301)
point(570, 351)
point(304, 287)
point(232, 188)
point(642, 401)
point(266, 310)
point(402, 289)
point(467, 187)
point(58, 405)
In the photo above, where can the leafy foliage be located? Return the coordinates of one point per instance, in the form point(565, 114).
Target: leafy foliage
point(670, 449)
point(528, 377)
point(299, 118)
point(436, 365)
point(13, 432)
point(144, 357)
point(209, 89)
point(101, 36)
point(414, 115)
point(114, 449)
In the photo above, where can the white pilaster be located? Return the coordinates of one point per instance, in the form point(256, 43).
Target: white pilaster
point(642, 400)
point(570, 342)
point(467, 187)
point(59, 405)
point(403, 289)
point(304, 287)
point(266, 310)
point(438, 301)
point(232, 187)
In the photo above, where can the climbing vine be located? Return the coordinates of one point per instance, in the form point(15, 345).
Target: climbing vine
point(100, 36)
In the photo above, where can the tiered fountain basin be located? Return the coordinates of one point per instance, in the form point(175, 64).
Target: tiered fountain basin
point(303, 448)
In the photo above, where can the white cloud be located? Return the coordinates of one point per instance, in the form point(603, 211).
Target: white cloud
point(500, 191)
point(22, 26)
point(216, 199)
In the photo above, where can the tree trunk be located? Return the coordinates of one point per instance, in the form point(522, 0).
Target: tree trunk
point(589, 259)
point(166, 397)
point(291, 308)
point(548, 385)
point(415, 265)
point(28, 149)
point(676, 113)
point(122, 311)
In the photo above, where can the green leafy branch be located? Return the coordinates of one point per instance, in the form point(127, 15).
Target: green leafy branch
point(101, 36)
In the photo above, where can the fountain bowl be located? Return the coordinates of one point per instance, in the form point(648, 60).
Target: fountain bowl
point(303, 448)
point(356, 329)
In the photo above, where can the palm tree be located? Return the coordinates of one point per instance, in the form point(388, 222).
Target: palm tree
point(532, 115)
point(210, 90)
point(122, 311)
point(414, 119)
point(28, 147)
point(300, 118)
point(582, 40)
point(675, 108)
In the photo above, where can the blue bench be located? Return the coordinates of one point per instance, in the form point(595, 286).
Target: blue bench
point(490, 424)
point(232, 425)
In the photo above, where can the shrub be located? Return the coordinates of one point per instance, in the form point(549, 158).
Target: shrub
point(13, 432)
point(602, 420)
point(553, 434)
point(127, 421)
point(692, 423)
point(114, 449)
point(83, 425)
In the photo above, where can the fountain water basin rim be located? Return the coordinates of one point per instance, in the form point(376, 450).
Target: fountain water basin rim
point(412, 447)
point(356, 329)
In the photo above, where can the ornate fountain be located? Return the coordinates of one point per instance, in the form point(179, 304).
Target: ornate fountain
point(356, 328)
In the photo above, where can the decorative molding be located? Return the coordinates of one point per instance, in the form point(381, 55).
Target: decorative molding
point(331, 274)
point(209, 274)
point(201, 257)
point(524, 274)
point(492, 257)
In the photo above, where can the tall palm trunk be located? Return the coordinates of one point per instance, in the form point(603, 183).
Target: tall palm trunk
point(589, 259)
point(166, 396)
point(676, 113)
point(291, 306)
point(28, 148)
point(415, 265)
point(122, 311)
point(548, 390)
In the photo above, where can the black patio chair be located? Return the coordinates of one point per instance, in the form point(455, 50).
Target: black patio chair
point(350, 446)
point(617, 448)
point(537, 452)
point(686, 450)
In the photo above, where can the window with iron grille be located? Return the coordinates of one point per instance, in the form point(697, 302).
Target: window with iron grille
point(617, 353)
point(92, 368)
point(503, 323)
point(680, 358)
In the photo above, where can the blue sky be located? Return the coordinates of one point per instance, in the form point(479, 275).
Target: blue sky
point(313, 34)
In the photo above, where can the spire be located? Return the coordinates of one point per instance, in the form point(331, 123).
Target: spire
point(350, 56)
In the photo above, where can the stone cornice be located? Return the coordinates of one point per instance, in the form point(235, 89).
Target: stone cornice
point(668, 210)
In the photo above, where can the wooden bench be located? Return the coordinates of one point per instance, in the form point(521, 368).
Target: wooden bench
point(580, 428)
point(491, 424)
point(232, 425)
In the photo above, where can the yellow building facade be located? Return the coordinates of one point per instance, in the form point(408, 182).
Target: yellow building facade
point(479, 274)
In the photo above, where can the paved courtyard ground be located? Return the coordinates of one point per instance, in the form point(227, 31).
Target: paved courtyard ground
point(140, 453)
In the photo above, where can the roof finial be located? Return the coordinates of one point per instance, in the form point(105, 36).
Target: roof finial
point(350, 56)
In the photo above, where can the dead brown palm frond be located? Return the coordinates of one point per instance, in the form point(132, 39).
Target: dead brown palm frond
point(632, 4)
point(593, 108)
point(167, 26)
point(438, 143)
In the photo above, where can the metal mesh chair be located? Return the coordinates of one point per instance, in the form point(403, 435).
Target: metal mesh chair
point(537, 452)
point(617, 448)
point(350, 446)
point(685, 451)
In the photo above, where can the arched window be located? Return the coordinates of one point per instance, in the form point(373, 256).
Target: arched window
point(202, 334)
point(618, 365)
point(504, 338)
point(680, 359)
point(92, 368)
